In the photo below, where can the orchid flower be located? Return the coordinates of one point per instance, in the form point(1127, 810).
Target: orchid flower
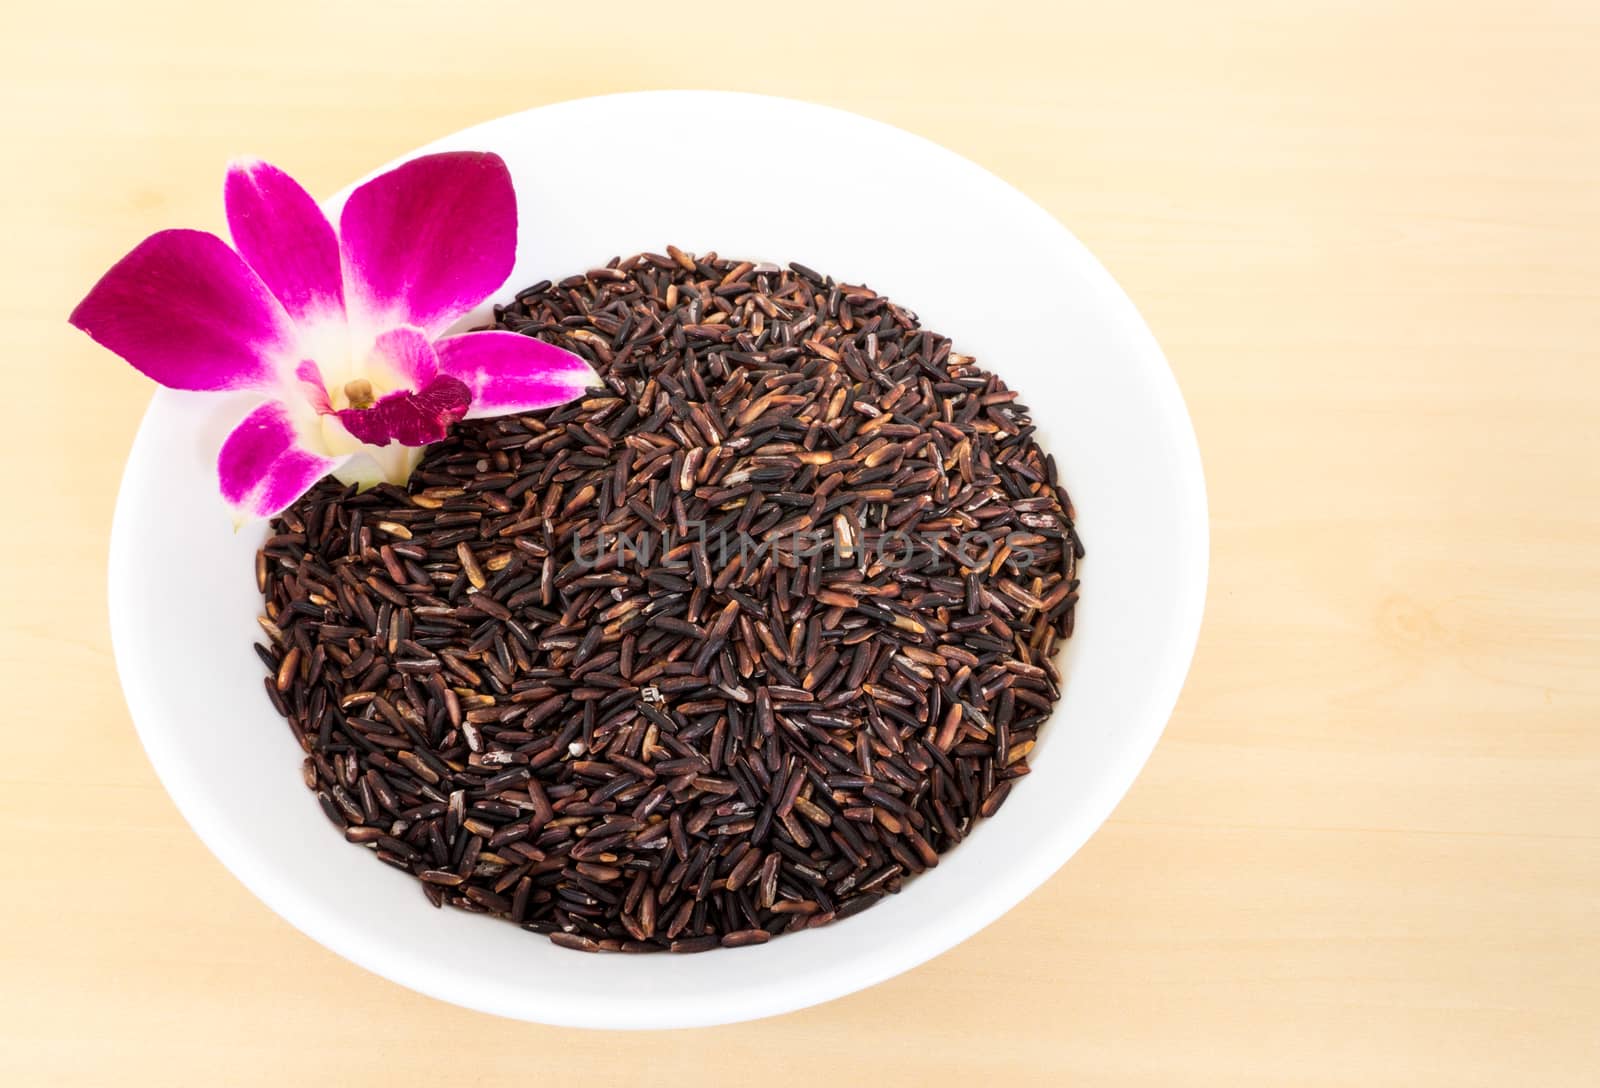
point(340, 335)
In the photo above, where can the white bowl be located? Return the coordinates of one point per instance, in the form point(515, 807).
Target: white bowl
point(783, 181)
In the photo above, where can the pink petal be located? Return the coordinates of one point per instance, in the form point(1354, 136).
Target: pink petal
point(263, 468)
point(407, 356)
point(412, 419)
point(309, 375)
point(187, 311)
point(508, 372)
point(279, 229)
point(429, 240)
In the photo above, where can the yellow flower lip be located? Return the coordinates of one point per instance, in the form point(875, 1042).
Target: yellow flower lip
point(358, 392)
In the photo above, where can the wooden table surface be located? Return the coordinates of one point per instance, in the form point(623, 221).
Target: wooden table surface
point(1367, 851)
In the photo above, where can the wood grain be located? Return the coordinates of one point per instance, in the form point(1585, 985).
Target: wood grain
point(1368, 850)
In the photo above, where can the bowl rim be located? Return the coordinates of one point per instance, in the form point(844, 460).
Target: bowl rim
point(1191, 526)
